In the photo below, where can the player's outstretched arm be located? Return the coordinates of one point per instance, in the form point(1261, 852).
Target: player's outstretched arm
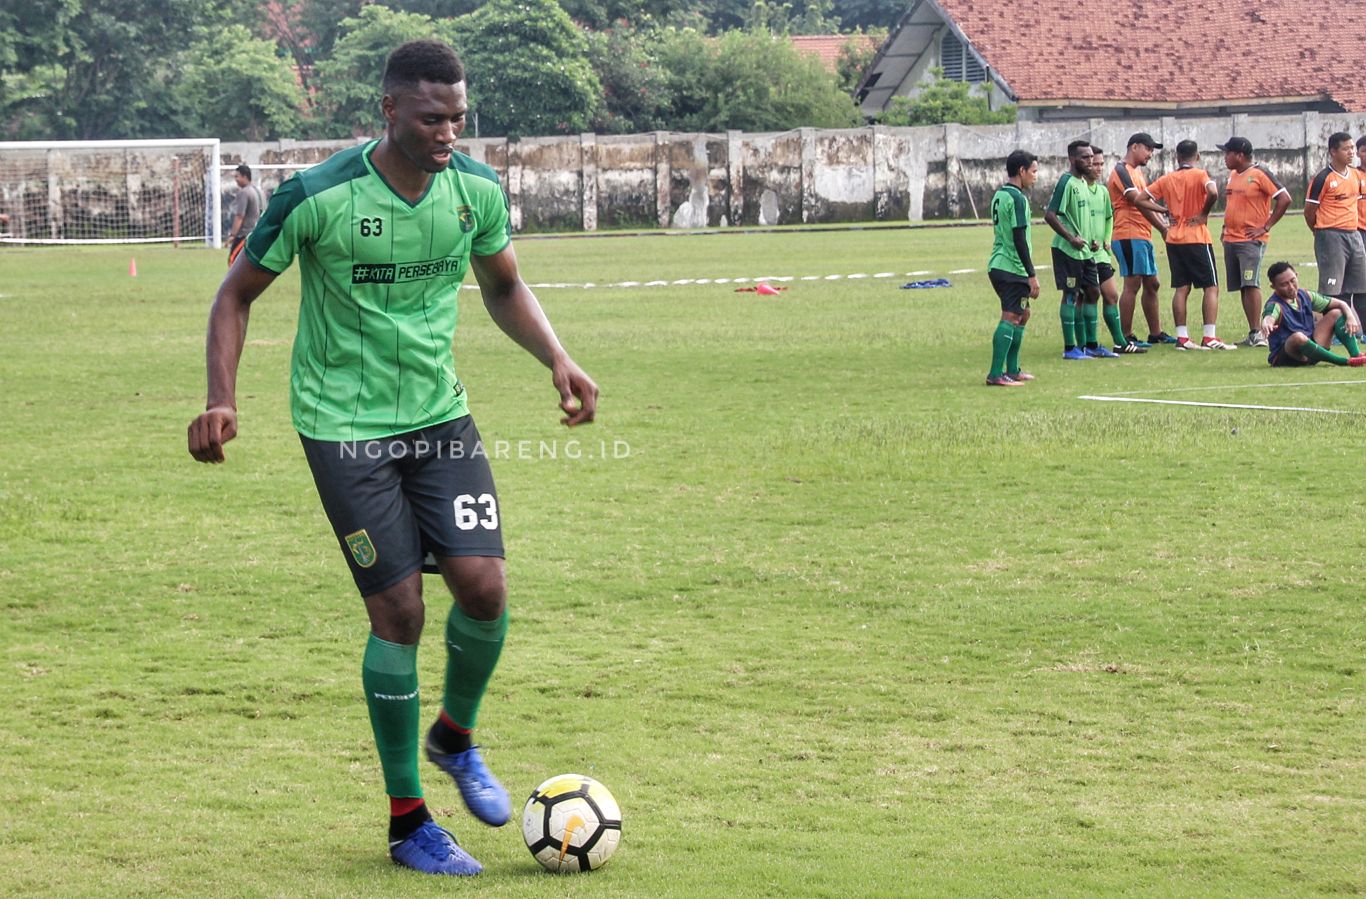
point(217, 424)
point(516, 310)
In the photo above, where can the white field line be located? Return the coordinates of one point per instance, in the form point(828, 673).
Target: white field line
point(1139, 399)
point(1236, 387)
point(683, 282)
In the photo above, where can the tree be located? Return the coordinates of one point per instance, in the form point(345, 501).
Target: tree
point(942, 101)
point(351, 77)
point(528, 69)
point(853, 61)
point(635, 90)
point(236, 85)
point(869, 14)
point(750, 81)
point(97, 68)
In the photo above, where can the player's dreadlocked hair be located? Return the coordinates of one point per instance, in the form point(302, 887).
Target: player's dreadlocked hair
point(423, 60)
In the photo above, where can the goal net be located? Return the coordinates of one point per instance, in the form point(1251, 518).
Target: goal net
point(136, 191)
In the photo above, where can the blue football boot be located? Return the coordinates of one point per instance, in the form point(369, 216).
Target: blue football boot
point(484, 796)
point(432, 850)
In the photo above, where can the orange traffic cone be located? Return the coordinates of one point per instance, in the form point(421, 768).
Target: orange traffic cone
point(132, 268)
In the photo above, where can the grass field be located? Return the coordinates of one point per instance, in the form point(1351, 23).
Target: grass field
point(830, 617)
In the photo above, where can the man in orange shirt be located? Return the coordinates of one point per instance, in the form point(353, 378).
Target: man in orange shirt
point(1248, 220)
point(1135, 216)
point(1190, 194)
point(1331, 211)
point(1359, 302)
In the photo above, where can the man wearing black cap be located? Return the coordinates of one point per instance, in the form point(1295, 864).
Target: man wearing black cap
point(1136, 214)
point(1249, 217)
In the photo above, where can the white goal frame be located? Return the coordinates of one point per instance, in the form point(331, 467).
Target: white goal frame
point(200, 221)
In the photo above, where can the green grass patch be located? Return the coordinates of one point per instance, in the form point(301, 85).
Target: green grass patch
point(826, 614)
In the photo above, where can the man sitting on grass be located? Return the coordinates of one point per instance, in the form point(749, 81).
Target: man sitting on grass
point(1288, 321)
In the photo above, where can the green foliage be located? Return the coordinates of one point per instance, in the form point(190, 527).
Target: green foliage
point(854, 59)
point(814, 17)
point(635, 88)
point(942, 101)
point(869, 14)
point(528, 69)
point(350, 79)
point(238, 88)
point(97, 68)
point(750, 81)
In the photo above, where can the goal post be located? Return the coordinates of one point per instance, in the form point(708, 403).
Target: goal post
point(111, 191)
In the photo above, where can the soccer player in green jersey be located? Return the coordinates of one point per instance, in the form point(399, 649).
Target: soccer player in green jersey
point(1295, 335)
point(384, 234)
point(1102, 231)
point(1074, 261)
point(1011, 268)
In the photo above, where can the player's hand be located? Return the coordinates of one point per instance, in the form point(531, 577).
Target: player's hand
point(578, 393)
point(1033, 288)
point(1269, 325)
point(1078, 241)
point(1255, 233)
point(1197, 221)
point(213, 428)
point(1095, 245)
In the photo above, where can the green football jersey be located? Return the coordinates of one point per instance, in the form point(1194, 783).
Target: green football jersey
point(1102, 221)
point(380, 278)
point(1009, 210)
point(1071, 203)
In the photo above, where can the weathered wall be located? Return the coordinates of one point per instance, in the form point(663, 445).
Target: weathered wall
point(667, 179)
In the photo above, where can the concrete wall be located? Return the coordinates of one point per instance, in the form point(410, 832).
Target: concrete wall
point(674, 180)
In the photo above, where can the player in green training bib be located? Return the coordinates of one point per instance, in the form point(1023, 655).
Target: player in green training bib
point(1102, 232)
point(384, 234)
point(1011, 268)
point(1074, 262)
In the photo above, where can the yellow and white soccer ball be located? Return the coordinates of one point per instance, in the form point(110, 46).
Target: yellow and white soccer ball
point(571, 823)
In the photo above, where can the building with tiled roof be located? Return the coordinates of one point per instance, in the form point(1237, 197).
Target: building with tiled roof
point(1115, 58)
point(827, 47)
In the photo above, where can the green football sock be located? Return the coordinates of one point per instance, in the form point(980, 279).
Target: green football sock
point(1000, 346)
point(1067, 312)
point(389, 675)
point(1090, 318)
point(1013, 356)
point(1111, 314)
point(472, 650)
point(1348, 340)
point(1316, 353)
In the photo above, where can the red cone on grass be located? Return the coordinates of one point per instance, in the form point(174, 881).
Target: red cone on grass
point(765, 290)
point(132, 268)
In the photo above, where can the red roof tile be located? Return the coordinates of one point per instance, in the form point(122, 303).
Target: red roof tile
point(827, 47)
point(1156, 52)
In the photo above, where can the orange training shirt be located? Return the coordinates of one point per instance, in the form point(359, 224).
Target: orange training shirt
point(1184, 192)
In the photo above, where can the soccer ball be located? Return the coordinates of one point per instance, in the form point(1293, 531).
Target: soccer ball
point(571, 823)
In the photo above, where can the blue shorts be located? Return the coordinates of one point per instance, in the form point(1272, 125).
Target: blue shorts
point(1135, 257)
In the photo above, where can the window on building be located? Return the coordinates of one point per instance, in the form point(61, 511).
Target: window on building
point(958, 62)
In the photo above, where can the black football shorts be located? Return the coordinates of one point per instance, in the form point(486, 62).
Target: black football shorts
point(394, 500)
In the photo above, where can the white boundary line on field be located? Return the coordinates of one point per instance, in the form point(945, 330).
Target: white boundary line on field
point(1142, 399)
point(1123, 393)
point(682, 282)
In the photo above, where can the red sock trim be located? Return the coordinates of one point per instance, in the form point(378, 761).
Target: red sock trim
point(402, 805)
point(446, 720)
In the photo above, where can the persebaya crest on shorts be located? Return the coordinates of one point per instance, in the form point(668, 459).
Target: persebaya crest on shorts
point(380, 278)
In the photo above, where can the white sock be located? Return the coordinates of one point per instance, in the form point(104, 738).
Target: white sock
point(1182, 332)
point(1209, 330)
